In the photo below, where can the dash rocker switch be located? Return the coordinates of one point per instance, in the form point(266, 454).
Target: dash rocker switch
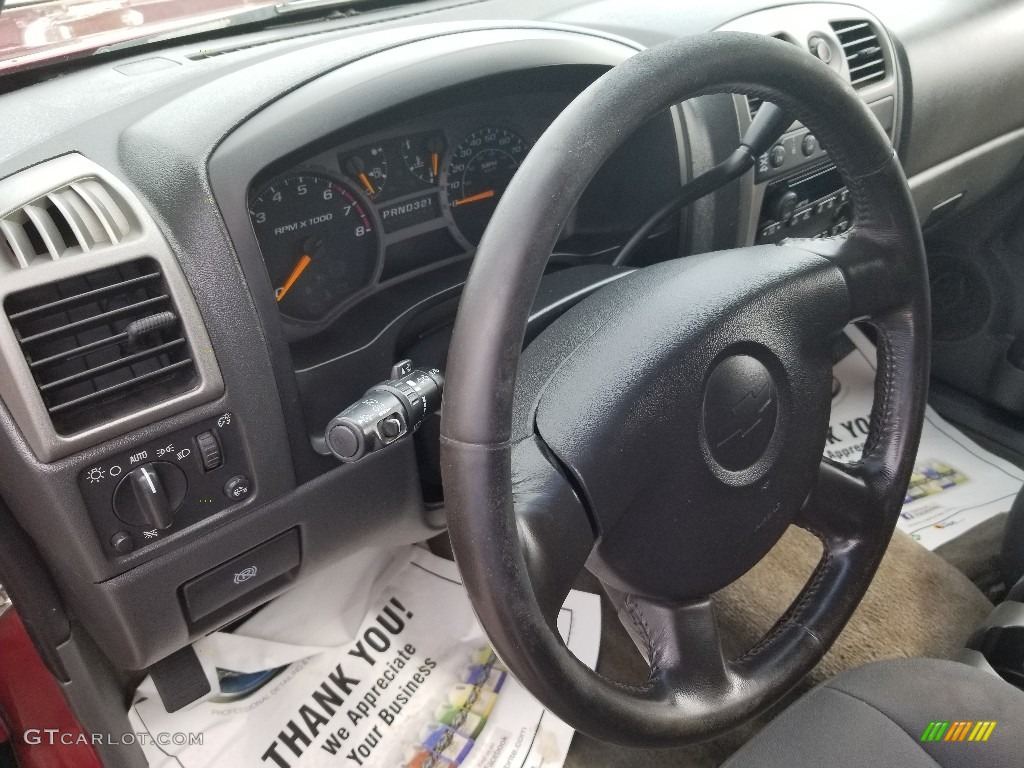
point(209, 450)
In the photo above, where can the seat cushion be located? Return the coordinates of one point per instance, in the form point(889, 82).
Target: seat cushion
point(876, 715)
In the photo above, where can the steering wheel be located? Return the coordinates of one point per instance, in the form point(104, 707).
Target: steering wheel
point(667, 430)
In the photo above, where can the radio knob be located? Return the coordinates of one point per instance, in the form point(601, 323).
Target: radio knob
point(782, 204)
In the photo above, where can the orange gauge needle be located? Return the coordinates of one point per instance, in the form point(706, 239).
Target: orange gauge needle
point(473, 198)
point(435, 158)
point(295, 275)
point(366, 183)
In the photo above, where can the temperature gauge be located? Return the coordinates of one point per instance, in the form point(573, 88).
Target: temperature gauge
point(423, 154)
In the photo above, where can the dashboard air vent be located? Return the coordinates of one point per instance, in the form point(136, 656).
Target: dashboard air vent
point(78, 217)
point(862, 50)
point(103, 344)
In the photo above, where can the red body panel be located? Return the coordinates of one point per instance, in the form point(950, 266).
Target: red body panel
point(31, 699)
point(31, 34)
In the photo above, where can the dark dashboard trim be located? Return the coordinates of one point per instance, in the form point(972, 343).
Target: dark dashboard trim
point(353, 94)
point(129, 604)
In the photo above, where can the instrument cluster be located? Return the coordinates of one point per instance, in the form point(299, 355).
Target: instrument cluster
point(334, 227)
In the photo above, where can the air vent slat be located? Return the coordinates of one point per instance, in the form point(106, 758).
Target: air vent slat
point(53, 241)
point(16, 240)
point(865, 58)
point(7, 254)
point(103, 205)
point(114, 389)
point(77, 217)
point(78, 351)
point(862, 67)
point(103, 344)
point(105, 367)
point(81, 218)
point(100, 319)
point(872, 78)
point(209, 53)
point(853, 43)
point(80, 298)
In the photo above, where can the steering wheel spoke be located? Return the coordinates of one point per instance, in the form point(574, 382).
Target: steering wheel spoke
point(840, 504)
point(876, 277)
point(554, 529)
point(682, 644)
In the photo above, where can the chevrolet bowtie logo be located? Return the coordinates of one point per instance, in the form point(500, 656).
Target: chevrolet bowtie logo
point(740, 412)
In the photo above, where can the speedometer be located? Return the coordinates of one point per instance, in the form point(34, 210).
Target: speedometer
point(319, 241)
point(479, 170)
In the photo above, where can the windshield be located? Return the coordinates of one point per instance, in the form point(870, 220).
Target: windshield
point(34, 31)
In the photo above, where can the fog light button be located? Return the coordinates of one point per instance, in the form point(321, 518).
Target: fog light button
point(237, 488)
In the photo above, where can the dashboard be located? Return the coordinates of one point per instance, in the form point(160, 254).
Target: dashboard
point(292, 214)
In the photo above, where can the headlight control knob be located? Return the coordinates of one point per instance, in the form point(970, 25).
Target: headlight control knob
point(149, 495)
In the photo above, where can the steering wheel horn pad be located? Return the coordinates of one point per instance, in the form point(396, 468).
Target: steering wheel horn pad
point(604, 445)
point(626, 411)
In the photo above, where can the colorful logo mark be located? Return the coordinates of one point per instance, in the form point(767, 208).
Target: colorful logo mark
point(930, 478)
point(958, 730)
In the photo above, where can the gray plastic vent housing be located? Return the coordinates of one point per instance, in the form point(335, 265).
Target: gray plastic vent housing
point(863, 51)
point(111, 227)
point(800, 23)
point(80, 216)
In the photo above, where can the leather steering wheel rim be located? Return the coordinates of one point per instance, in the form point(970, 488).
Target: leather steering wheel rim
point(521, 491)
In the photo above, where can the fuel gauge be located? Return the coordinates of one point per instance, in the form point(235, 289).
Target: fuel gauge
point(422, 155)
point(368, 167)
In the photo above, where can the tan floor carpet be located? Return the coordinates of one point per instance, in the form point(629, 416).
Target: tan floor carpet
point(918, 605)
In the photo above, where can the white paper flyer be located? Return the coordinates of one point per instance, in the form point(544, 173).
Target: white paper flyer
point(412, 682)
point(956, 484)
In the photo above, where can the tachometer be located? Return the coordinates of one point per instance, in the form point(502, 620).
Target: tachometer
point(319, 241)
point(479, 170)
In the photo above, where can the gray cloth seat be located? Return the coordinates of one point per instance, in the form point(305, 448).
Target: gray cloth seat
point(876, 715)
